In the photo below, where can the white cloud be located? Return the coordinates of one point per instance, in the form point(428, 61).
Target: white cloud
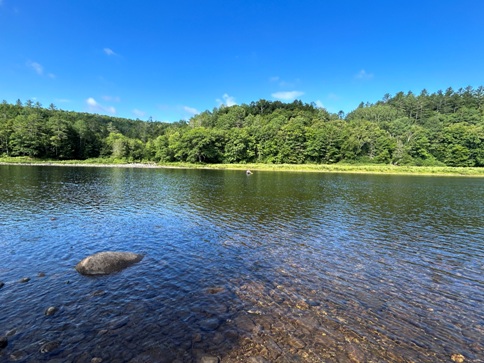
point(96, 107)
point(274, 79)
point(364, 75)
point(109, 51)
point(36, 67)
point(287, 95)
point(139, 113)
point(319, 104)
point(226, 100)
point(39, 69)
point(91, 101)
point(191, 110)
point(62, 100)
point(111, 98)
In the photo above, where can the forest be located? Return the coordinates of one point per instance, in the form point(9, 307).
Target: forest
point(445, 128)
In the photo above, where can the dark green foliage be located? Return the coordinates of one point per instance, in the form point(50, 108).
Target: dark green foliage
point(443, 128)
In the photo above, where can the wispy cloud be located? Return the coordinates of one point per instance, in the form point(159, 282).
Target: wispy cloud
point(139, 113)
point(109, 51)
point(364, 75)
point(37, 67)
point(226, 100)
point(287, 95)
point(96, 107)
point(111, 98)
point(283, 83)
point(190, 110)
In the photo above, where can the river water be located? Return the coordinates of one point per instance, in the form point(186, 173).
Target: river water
point(269, 267)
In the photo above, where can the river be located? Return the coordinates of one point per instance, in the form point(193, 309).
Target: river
point(268, 267)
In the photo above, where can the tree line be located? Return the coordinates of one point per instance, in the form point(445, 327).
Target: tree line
point(442, 128)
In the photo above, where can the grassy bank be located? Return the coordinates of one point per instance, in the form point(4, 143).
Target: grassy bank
point(331, 168)
point(352, 168)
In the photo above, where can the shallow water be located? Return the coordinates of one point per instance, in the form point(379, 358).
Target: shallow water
point(276, 267)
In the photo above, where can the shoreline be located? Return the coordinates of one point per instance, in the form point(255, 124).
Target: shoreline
point(313, 168)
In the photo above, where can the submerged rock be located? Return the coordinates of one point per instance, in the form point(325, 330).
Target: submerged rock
point(154, 355)
point(18, 355)
point(210, 324)
point(49, 347)
point(208, 359)
point(3, 342)
point(104, 263)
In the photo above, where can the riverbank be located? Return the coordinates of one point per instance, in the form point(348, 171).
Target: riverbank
point(324, 168)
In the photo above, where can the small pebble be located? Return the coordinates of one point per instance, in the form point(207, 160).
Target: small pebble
point(96, 360)
point(2, 284)
point(50, 310)
point(41, 274)
point(458, 358)
point(25, 279)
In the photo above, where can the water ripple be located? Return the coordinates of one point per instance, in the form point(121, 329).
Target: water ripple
point(284, 266)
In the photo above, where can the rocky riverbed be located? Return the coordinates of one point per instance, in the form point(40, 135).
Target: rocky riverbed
point(243, 321)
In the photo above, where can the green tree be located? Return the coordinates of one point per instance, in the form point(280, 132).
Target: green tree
point(117, 146)
point(158, 149)
point(233, 116)
point(28, 137)
point(88, 144)
point(460, 144)
point(197, 145)
point(324, 141)
point(365, 140)
point(6, 130)
point(239, 147)
point(291, 142)
point(61, 136)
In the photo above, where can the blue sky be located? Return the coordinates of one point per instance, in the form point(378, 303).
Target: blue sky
point(171, 59)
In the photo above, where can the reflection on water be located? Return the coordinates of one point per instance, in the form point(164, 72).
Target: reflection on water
point(271, 267)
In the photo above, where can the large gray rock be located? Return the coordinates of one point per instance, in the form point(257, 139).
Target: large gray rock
point(104, 263)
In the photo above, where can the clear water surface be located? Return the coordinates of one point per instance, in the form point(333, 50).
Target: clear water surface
point(270, 267)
